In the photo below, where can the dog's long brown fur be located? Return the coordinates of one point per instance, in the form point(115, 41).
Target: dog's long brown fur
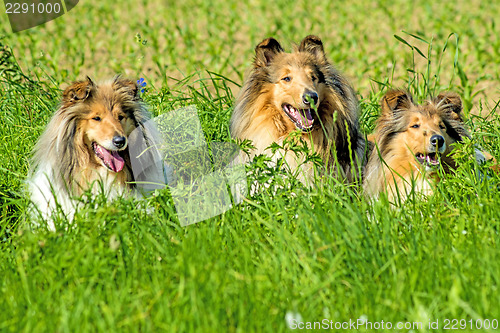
point(410, 141)
point(93, 120)
point(296, 83)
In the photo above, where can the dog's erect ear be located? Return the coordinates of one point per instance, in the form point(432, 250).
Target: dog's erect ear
point(78, 91)
point(396, 100)
point(451, 103)
point(313, 45)
point(127, 86)
point(266, 51)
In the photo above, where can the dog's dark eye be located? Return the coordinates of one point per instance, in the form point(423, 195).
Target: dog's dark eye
point(97, 118)
point(415, 126)
point(120, 118)
point(287, 79)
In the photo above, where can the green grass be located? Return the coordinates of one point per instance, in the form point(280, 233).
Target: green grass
point(324, 252)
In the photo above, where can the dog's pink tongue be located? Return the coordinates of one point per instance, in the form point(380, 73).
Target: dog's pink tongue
point(112, 159)
point(307, 118)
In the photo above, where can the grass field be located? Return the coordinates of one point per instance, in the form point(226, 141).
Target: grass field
point(325, 252)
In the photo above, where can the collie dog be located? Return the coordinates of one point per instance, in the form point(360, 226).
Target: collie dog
point(411, 141)
point(85, 146)
point(286, 92)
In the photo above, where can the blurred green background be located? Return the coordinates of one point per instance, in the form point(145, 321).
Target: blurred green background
point(161, 39)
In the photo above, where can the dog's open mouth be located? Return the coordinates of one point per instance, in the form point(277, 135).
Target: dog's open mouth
point(430, 159)
point(302, 118)
point(110, 158)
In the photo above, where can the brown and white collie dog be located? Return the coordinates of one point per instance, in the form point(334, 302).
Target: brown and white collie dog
point(411, 141)
point(286, 92)
point(85, 146)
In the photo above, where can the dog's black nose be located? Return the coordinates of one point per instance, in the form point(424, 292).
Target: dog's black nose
point(119, 141)
point(310, 96)
point(437, 140)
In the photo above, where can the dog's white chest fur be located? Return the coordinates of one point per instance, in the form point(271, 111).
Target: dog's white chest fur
point(48, 194)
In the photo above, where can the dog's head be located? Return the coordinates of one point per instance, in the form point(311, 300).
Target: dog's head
point(423, 133)
point(295, 80)
point(105, 117)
